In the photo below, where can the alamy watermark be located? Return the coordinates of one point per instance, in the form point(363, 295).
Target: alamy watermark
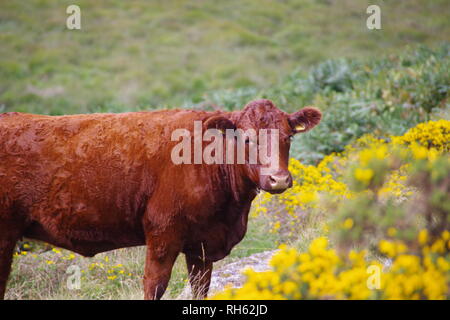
point(73, 21)
point(73, 281)
point(374, 279)
point(373, 22)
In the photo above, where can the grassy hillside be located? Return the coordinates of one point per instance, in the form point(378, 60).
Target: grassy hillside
point(146, 54)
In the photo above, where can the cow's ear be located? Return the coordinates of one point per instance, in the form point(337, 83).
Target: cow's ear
point(305, 119)
point(220, 123)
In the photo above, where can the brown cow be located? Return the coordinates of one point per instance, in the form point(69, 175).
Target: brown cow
point(98, 182)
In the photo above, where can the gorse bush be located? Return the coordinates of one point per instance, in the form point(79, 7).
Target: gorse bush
point(386, 206)
point(434, 134)
point(321, 273)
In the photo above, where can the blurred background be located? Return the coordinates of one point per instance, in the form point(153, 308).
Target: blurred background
point(151, 54)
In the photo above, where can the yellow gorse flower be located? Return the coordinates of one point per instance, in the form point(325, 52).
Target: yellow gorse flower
point(321, 274)
point(434, 134)
point(363, 175)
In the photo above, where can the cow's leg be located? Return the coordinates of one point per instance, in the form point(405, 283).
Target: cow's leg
point(9, 235)
point(6, 253)
point(199, 270)
point(158, 266)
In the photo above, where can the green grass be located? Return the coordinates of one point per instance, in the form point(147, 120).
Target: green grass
point(133, 55)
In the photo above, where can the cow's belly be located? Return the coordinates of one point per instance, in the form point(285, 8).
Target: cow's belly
point(86, 237)
point(84, 213)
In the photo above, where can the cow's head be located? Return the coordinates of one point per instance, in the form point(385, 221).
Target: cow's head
point(271, 174)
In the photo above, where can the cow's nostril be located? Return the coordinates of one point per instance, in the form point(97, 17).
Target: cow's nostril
point(272, 180)
point(279, 182)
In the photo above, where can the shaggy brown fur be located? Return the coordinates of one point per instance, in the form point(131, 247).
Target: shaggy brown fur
point(97, 182)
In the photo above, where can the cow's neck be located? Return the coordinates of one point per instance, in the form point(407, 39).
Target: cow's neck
point(241, 188)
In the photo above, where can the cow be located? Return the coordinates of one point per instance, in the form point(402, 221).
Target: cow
point(91, 183)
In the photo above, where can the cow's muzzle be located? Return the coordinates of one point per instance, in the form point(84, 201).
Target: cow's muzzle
point(277, 183)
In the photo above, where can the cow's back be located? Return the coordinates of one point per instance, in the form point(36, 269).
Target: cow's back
point(89, 151)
